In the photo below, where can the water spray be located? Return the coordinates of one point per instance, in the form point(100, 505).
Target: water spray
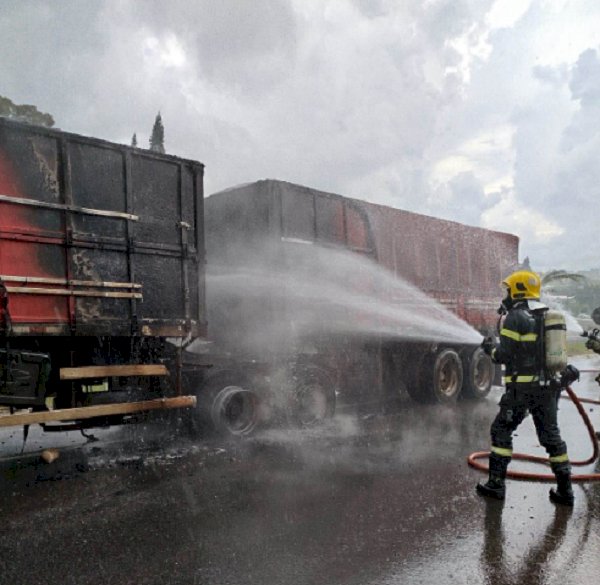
point(316, 290)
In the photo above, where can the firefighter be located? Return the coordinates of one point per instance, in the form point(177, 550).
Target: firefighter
point(594, 344)
point(529, 388)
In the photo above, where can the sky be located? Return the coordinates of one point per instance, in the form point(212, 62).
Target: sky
point(485, 112)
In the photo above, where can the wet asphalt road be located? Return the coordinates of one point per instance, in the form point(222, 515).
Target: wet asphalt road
point(381, 500)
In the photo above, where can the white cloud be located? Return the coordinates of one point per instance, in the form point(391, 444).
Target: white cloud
point(483, 112)
point(166, 52)
point(511, 215)
point(505, 13)
point(488, 155)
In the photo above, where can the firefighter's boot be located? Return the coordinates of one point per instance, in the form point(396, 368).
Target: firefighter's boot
point(495, 486)
point(563, 494)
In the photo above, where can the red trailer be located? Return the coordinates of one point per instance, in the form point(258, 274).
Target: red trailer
point(255, 232)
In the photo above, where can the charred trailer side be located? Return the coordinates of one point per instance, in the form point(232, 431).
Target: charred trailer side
point(101, 260)
point(259, 242)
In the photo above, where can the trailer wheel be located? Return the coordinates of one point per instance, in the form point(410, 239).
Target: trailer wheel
point(313, 399)
point(479, 374)
point(235, 411)
point(442, 377)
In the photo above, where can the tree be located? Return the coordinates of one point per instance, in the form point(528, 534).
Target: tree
point(157, 139)
point(579, 294)
point(134, 140)
point(561, 275)
point(24, 113)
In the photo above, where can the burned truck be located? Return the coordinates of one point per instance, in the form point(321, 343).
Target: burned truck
point(310, 302)
point(101, 261)
point(355, 302)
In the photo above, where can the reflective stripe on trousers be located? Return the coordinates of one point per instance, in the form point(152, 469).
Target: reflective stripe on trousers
point(501, 451)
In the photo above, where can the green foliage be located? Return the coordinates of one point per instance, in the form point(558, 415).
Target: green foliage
point(24, 113)
point(157, 139)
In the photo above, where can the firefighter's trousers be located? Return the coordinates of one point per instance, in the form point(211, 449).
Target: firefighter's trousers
point(542, 403)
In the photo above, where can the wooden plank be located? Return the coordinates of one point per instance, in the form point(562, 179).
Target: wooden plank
point(100, 410)
point(64, 281)
point(63, 207)
point(83, 372)
point(72, 293)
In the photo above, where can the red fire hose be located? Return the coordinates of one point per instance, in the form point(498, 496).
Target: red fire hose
point(525, 476)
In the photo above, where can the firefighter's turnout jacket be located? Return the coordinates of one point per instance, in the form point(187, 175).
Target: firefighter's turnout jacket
point(521, 348)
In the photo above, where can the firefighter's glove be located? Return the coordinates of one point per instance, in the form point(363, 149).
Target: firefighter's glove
point(569, 375)
point(488, 345)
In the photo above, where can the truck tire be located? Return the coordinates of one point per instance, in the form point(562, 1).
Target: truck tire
point(478, 374)
point(235, 411)
point(313, 397)
point(441, 378)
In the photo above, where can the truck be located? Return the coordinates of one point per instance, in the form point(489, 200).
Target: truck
point(270, 239)
point(123, 291)
point(101, 262)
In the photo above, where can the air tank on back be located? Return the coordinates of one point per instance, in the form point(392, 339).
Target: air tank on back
point(555, 341)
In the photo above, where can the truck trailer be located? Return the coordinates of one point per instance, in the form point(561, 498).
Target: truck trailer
point(276, 232)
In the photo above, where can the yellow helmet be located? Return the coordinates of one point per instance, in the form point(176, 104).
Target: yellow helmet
point(523, 284)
